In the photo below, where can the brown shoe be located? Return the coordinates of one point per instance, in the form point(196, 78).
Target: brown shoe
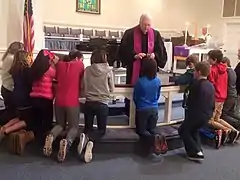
point(12, 141)
point(21, 140)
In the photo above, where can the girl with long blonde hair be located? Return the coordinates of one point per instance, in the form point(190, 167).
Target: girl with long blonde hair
point(22, 101)
point(7, 81)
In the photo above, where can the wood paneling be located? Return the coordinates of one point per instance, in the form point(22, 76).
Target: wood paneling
point(229, 8)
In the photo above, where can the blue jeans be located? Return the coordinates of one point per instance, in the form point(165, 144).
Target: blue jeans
point(146, 121)
point(207, 132)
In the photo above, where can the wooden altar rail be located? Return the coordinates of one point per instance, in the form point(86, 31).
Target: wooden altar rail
point(167, 91)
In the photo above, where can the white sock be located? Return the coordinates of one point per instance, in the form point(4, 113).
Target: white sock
point(200, 153)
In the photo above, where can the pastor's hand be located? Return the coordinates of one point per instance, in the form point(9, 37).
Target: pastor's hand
point(140, 56)
point(151, 55)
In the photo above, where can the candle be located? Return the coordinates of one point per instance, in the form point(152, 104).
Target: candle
point(208, 26)
point(196, 32)
point(186, 32)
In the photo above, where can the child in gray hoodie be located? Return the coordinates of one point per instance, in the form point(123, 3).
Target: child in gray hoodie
point(98, 83)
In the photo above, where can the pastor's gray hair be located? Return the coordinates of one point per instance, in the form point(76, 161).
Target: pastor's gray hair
point(145, 16)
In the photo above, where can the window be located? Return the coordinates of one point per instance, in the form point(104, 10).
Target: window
point(237, 8)
point(229, 7)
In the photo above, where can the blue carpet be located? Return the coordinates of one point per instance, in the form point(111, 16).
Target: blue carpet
point(220, 164)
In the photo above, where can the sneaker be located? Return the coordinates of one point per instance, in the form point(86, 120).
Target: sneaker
point(238, 136)
point(233, 136)
point(225, 137)
point(88, 152)
point(47, 150)
point(160, 145)
point(63, 148)
point(82, 143)
point(157, 146)
point(196, 157)
point(163, 144)
point(218, 138)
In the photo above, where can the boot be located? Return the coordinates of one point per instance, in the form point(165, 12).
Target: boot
point(12, 140)
point(2, 133)
point(21, 140)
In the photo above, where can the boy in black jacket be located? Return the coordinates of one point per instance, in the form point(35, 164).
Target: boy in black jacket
point(230, 112)
point(208, 131)
point(187, 77)
point(198, 111)
point(237, 70)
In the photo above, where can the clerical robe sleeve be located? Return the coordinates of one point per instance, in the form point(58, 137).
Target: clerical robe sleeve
point(126, 50)
point(160, 50)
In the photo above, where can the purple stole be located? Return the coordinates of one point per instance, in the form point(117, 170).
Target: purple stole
point(138, 49)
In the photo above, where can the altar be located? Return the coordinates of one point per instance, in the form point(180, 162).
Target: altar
point(182, 52)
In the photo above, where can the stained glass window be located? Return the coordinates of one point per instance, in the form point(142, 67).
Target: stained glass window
point(91, 6)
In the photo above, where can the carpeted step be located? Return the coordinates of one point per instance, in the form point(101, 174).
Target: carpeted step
point(125, 140)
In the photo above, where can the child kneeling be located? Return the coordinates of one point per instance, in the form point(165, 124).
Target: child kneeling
point(219, 78)
point(98, 83)
point(199, 112)
point(146, 94)
point(69, 76)
point(22, 87)
point(230, 112)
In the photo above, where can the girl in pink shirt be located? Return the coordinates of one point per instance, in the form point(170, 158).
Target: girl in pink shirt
point(43, 73)
point(69, 76)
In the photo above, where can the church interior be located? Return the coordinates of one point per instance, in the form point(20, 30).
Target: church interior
point(186, 27)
